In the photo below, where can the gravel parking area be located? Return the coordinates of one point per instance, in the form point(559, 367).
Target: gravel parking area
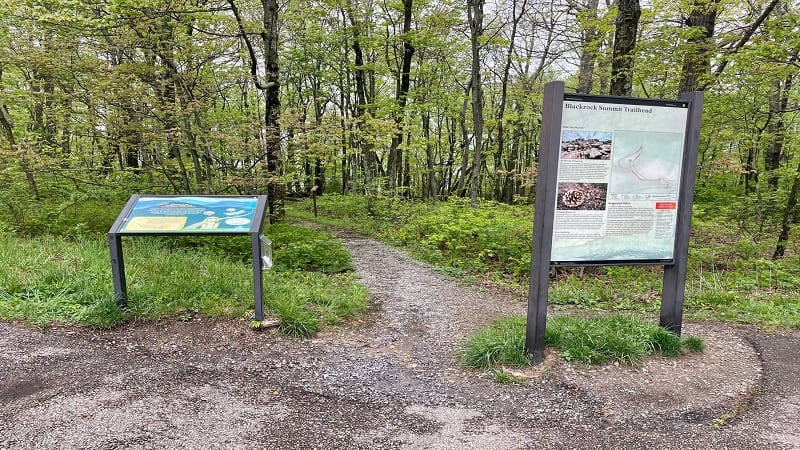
point(390, 381)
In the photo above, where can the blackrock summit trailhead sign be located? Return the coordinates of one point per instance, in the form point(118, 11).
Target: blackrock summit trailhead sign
point(614, 187)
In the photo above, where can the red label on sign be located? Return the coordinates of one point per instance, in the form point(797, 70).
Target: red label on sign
point(666, 205)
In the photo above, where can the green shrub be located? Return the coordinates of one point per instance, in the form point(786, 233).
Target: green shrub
point(729, 276)
point(299, 248)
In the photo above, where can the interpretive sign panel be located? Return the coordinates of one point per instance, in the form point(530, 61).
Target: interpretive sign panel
point(614, 186)
point(618, 178)
point(172, 215)
point(190, 215)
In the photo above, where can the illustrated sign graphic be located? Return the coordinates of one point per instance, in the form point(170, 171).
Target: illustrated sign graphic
point(195, 215)
point(174, 215)
point(618, 180)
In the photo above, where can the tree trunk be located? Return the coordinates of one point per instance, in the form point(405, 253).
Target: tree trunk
point(475, 15)
point(777, 130)
point(272, 109)
point(271, 89)
point(699, 47)
point(401, 94)
point(430, 190)
point(627, 24)
point(788, 217)
point(589, 36)
point(8, 125)
point(369, 158)
point(460, 187)
point(502, 171)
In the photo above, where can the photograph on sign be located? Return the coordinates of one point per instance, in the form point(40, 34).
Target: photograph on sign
point(191, 215)
point(618, 175)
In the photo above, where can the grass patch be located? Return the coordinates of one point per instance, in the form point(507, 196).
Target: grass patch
point(592, 341)
point(614, 338)
point(296, 248)
point(502, 377)
point(502, 344)
point(48, 280)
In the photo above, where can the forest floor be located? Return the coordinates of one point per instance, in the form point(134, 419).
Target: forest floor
point(390, 381)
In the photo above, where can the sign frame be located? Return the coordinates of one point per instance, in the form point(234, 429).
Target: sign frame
point(256, 219)
point(674, 281)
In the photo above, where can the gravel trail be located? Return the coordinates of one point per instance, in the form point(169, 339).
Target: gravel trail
point(392, 381)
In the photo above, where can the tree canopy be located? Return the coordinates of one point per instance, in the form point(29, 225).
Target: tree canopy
point(423, 99)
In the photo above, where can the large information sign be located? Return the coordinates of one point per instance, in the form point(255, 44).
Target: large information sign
point(171, 215)
point(618, 178)
point(614, 186)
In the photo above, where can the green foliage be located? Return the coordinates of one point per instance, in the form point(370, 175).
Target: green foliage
point(592, 341)
point(613, 338)
point(729, 277)
point(294, 247)
point(299, 248)
point(48, 280)
point(59, 212)
point(494, 238)
point(503, 343)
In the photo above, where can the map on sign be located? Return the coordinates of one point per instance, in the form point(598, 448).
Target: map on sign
point(646, 165)
point(191, 214)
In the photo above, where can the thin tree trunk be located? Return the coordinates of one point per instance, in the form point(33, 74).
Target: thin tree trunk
point(589, 36)
point(462, 122)
point(699, 47)
point(788, 217)
point(475, 15)
point(502, 168)
point(431, 188)
point(8, 125)
point(627, 24)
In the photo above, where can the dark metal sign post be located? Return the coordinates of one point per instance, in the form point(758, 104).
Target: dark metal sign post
point(172, 215)
point(614, 186)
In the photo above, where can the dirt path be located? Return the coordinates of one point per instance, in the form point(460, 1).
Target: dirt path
point(391, 382)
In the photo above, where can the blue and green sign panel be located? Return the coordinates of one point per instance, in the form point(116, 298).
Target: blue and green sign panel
point(173, 215)
point(190, 215)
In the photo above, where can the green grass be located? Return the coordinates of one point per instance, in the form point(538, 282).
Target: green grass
point(49, 280)
point(620, 338)
point(502, 344)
